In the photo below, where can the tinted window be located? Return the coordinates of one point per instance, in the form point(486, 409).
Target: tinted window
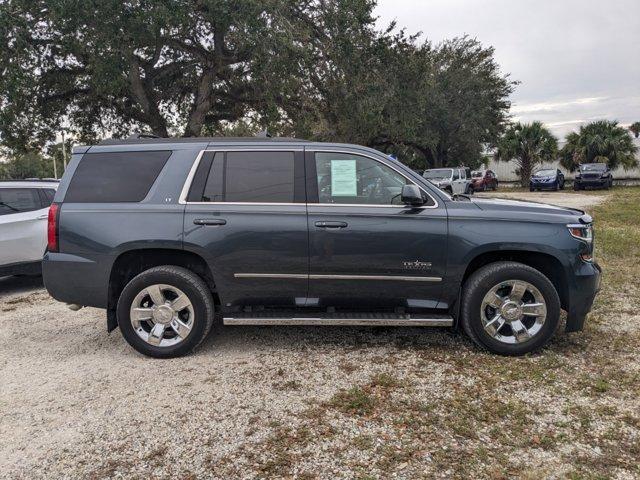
point(437, 173)
point(17, 200)
point(260, 177)
point(456, 174)
point(47, 196)
point(352, 179)
point(115, 177)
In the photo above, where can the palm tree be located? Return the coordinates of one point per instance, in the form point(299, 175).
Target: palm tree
point(529, 144)
point(635, 128)
point(602, 141)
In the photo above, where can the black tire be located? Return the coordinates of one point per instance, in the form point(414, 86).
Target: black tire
point(531, 189)
point(449, 190)
point(194, 288)
point(576, 187)
point(481, 281)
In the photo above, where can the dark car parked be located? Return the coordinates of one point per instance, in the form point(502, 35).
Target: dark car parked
point(483, 180)
point(166, 233)
point(547, 179)
point(593, 175)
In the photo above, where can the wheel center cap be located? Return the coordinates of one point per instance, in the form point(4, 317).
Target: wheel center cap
point(511, 311)
point(163, 315)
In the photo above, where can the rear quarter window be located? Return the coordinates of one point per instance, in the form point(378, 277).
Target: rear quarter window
point(115, 176)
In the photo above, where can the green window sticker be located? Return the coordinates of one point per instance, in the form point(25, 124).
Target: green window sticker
point(344, 182)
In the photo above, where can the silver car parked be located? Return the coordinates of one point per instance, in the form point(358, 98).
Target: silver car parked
point(24, 207)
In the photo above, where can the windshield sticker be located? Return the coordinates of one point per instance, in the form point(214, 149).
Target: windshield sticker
point(343, 178)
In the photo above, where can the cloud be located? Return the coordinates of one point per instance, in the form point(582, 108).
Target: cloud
point(553, 106)
point(575, 59)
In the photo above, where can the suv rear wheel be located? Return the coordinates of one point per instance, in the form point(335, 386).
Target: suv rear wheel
point(165, 311)
point(510, 308)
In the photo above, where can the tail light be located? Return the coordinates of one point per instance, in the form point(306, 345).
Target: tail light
point(52, 228)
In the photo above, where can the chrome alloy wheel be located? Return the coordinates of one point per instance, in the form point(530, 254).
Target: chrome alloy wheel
point(162, 315)
point(513, 311)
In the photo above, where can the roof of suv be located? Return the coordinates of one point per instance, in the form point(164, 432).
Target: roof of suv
point(147, 140)
point(33, 183)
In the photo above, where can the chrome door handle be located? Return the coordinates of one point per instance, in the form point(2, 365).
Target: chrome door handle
point(43, 217)
point(213, 222)
point(331, 224)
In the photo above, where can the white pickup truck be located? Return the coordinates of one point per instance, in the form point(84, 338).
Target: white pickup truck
point(24, 206)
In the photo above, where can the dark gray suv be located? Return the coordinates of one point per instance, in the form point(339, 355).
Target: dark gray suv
point(168, 234)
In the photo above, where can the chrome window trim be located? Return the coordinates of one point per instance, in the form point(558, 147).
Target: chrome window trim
point(402, 278)
point(182, 200)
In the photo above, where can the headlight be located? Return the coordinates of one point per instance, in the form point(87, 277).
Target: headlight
point(581, 232)
point(584, 233)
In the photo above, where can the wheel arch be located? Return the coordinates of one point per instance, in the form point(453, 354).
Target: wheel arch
point(547, 264)
point(132, 262)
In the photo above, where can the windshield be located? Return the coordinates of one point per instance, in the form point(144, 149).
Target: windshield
point(476, 174)
point(544, 173)
point(593, 167)
point(438, 173)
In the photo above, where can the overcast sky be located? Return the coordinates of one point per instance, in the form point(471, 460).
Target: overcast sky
point(577, 60)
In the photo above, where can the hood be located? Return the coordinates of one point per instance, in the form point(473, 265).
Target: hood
point(510, 207)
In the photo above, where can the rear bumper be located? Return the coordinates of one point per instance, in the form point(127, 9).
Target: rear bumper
point(583, 293)
point(74, 279)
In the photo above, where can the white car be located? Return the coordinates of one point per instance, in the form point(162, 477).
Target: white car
point(24, 207)
point(451, 180)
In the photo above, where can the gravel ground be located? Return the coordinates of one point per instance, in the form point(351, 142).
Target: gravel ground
point(269, 402)
point(564, 199)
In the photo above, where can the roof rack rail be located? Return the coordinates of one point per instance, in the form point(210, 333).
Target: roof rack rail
point(137, 136)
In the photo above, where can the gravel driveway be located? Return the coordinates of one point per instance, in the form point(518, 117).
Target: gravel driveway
point(308, 402)
point(564, 199)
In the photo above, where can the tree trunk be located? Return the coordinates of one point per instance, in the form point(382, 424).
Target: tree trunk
point(142, 92)
point(525, 171)
point(201, 105)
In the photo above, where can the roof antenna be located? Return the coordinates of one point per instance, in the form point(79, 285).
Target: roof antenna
point(263, 134)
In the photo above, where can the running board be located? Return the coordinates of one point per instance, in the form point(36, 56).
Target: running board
point(346, 319)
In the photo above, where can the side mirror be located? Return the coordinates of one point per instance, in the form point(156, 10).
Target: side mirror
point(411, 195)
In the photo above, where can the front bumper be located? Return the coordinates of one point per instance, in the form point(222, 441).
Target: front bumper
point(543, 185)
point(585, 287)
point(594, 183)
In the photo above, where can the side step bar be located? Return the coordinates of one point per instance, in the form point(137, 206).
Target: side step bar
point(344, 320)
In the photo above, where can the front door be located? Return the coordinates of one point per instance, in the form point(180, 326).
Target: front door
point(366, 248)
point(246, 215)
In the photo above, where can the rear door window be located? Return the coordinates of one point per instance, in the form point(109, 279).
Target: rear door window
point(46, 196)
point(19, 200)
point(115, 176)
point(245, 177)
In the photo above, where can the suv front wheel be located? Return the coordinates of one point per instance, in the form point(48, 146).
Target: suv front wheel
point(510, 308)
point(165, 311)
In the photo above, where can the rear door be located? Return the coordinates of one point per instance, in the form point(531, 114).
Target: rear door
point(367, 249)
point(23, 226)
point(246, 215)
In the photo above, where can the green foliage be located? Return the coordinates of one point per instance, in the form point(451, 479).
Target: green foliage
point(27, 165)
point(529, 145)
point(431, 105)
point(635, 128)
point(307, 68)
point(602, 141)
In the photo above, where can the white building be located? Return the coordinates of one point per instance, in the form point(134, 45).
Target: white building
point(506, 170)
